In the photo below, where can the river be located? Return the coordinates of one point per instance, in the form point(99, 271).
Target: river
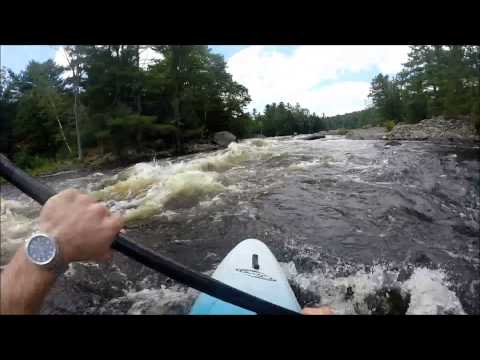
point(362, 226)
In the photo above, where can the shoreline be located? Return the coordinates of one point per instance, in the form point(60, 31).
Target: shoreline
point(110, 162)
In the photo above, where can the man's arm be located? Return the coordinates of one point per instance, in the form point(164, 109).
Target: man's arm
point(23, 286)
point(84, 230)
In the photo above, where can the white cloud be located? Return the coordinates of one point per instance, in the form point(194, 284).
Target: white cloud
point(60, 57)
point(147, 56)
point(273, 76)
point(338, 98)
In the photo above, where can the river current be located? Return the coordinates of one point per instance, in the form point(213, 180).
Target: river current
point(362, 226)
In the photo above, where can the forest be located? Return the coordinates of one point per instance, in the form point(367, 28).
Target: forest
point(435, 81)
point(106, 101)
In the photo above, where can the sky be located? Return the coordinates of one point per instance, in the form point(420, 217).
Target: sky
point(322, 78)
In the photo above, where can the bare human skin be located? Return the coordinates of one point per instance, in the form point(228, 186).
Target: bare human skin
point(84, 230)
point(324, 310)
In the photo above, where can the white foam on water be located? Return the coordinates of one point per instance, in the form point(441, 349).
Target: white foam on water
point(216, 200)
point(147, 189)
point(430, 294)
point(15, 227)
point(303, 165)
point(289, 269)
point(428, 289)
point(172, 300)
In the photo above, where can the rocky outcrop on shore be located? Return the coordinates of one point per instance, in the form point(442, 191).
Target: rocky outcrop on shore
point(437, 130)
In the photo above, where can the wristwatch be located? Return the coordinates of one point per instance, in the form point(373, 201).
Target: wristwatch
point(44, 251)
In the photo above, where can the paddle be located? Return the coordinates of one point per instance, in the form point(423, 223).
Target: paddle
point(41, 193)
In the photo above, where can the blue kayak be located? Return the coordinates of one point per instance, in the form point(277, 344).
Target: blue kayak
point(252, 268)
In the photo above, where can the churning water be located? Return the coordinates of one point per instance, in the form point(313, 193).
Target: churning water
point(362, 226)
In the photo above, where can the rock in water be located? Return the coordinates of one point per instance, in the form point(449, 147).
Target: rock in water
point(313, 137)
point(421, 259)
point(224, 138)
point(393, 143)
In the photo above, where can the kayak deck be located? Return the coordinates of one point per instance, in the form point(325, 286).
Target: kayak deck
point(250, 267)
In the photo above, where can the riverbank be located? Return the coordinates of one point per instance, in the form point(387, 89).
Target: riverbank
point(437, 130)
point(95, 160)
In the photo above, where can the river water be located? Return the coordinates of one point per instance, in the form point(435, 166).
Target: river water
point(362, 226)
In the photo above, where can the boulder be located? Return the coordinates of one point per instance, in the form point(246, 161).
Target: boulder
point(224, 138)
point(393, 143)
point(312, 137)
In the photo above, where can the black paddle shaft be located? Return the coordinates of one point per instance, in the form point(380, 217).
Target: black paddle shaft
point(41, 193)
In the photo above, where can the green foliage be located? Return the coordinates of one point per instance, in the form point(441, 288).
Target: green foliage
point(284, 119)
point(192, 134)
point(43, 166)
point(188, 94)
point(357, 119)
point(41, 107)
point(164, 130)
point(37, 165)
point(390, 124)
point(128, 131)
point(385, 94)
point(436, 80)
point(120, 104)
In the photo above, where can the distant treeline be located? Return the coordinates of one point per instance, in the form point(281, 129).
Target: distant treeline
point(106, 101)
point(436, 80)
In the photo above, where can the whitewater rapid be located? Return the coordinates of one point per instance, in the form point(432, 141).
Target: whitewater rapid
point(361, 226)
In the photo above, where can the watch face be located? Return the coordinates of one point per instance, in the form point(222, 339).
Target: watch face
point(41, 249)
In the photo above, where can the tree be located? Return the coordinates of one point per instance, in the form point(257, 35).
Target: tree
point(284, 119)
point(40, 98)
point(76, 59)
point(201, 92)
point(7, 112)
point(111, 76)
point(385, 94)
point(178, 65)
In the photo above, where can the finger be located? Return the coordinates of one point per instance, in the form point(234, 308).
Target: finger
point(308, 311)
point(324, 310)
point(115, 222)
point(99, 210)
point(68, 194)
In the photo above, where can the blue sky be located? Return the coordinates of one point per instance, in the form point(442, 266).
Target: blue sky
point(16, 57)
point(325, 79)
